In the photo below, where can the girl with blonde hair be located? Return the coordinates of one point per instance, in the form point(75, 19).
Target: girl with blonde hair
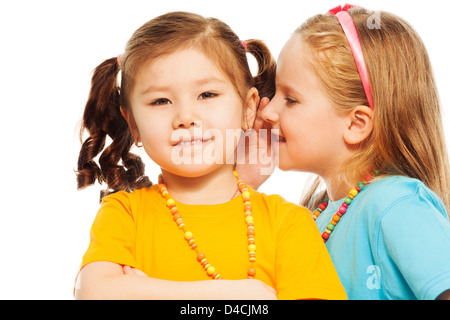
point(356, 104)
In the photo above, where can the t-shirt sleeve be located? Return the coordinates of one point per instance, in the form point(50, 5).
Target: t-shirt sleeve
point(113, 233)
point(304, 269)
point(416, 233)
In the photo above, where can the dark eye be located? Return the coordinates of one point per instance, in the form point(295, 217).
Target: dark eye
point(160, 102)
point(290, 101)
point(207, 95)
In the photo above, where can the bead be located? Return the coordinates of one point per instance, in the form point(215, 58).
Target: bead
point(343, 208)
point(210, 270)
point(353, 192)
point(336, 218)
point(201, 258)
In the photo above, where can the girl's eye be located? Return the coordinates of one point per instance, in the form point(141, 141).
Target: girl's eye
point(207, 95)
point(290, 101)
point(160, 102)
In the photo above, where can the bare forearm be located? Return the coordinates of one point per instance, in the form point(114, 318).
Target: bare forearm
point(138, 287)
point(106, 280)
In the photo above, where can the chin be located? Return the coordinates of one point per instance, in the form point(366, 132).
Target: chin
point(192, 170)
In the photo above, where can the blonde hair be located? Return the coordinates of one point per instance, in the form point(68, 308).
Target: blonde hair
point(408, 137)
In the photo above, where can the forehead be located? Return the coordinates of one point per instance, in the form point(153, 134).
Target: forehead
point(294, 61)
point(180, 67)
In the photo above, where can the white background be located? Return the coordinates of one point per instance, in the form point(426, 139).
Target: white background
point(48, 50)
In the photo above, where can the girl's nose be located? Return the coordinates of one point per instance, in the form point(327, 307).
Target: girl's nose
point(185, 117)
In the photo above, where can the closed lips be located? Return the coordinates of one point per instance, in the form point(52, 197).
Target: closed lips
point(191, 142)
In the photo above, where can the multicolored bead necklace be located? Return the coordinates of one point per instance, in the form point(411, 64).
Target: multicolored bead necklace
point(343, 208)
point(188, 236)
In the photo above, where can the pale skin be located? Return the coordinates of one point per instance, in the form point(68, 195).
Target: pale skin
point(174, 94)
point(323, 132)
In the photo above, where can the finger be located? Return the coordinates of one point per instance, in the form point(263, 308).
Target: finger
point(138, 272)
point(259, 121)
point(127, 270)
point(263, 103)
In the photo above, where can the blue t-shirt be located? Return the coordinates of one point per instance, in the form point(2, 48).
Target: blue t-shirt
point(392, 243)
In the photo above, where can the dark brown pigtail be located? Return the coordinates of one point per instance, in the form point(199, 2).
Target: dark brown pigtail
point(264, 81)
point(102, 118)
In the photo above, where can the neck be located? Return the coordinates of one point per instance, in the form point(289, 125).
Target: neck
point(336, 188)
point(218, 186)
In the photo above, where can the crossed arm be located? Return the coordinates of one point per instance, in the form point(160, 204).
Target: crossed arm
point(108, 280)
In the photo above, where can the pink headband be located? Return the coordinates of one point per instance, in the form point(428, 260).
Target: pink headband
point(355, 45)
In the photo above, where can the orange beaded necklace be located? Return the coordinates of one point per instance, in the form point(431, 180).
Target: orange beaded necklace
point(188, 236)
point(343, 208)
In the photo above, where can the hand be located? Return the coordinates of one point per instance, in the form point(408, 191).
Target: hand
point(260, 158)
point(250, 289)
point(127, 270)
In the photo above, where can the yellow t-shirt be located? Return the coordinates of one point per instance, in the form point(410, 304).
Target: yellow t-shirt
point(137, 229)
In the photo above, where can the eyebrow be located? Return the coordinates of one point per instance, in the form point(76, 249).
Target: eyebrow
point(289, 89)
point(198, 82)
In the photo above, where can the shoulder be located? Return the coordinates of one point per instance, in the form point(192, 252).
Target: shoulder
point(277, 202)
point(129, 202)
point(279, 208)
point(399, 192)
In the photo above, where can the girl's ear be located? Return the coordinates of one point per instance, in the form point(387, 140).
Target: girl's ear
point(131, 123)
point(252, 102)
point(359, 125)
